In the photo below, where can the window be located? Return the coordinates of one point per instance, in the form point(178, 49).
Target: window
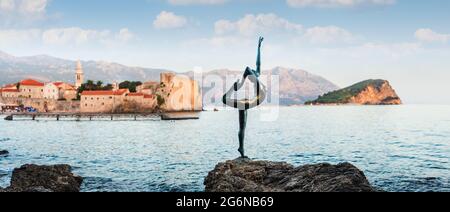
point(103, 103)
point(85, 105)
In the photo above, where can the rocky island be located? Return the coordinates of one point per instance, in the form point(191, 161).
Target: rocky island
point(369, 92)
point(245, 175)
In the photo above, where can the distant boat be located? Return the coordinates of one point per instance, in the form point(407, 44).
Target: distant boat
point(180, 116)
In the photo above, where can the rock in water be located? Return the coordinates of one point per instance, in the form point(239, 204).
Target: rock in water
point(3, 153)
point(244, 175)
point(34, 178)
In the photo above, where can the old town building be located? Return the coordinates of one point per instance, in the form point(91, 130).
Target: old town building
point(30, 88)
point(9, 92)
point(142, 102)
point(60, 91)
point(102, 101)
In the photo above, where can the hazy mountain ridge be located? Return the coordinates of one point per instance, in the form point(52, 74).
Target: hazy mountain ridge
point(296, 86)
point(47, 68)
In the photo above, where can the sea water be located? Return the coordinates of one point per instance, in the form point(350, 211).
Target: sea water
point(399, 148)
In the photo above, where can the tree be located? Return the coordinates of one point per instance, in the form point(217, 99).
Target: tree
point(99, 84)
point(130, 85)
point(161, 101)
point(90, 85)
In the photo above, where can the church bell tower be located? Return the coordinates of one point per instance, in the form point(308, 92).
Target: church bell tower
point(79, 76)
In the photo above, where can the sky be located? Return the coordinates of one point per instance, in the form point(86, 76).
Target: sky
point(346, 41)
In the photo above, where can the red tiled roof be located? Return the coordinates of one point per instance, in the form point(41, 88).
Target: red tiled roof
point(135, 94)
point(57, 84)
point(105, 93)
point(121, 91)
point(97, 93)
point(10, 90)
point(31, 82)
point(146, 96)
point(64, 85)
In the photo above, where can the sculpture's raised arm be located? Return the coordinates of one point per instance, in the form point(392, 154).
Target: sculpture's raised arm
point(258, 59)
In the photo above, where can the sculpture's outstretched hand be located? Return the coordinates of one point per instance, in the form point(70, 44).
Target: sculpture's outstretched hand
point(261, 39)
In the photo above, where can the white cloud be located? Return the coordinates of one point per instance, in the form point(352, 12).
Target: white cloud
point(125, 35)
point(251, 25)
point(24, 7)
point(337, 3)
point(33, 6)
point(73, 35)
point(22, 12)
point(220, 42)
point(7, 5)
point(428, 35)
point(328, 34)
point(263, 24)
point(197, 2)
point(19, 37)
point(168, 20)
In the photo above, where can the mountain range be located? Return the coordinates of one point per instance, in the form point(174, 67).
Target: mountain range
point(296, 86)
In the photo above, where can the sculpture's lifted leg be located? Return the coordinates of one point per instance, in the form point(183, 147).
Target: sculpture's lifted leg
point(242, 127)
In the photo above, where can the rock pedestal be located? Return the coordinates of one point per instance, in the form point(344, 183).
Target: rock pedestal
point(244, 175)
point(34, 178)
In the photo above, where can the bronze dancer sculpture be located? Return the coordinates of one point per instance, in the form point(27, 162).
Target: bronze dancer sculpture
point(244, 105)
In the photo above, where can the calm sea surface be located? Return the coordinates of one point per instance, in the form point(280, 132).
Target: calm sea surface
point(400, 148)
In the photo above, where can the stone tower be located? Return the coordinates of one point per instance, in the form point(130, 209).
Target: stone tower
point(79, 75)
point(115, 86)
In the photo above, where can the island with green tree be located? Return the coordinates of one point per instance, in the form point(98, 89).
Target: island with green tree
point(369, 92)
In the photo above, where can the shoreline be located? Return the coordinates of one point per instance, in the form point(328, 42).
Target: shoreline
point(166, 116)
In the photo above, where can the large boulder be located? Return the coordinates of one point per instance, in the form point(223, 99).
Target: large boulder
point(34, 178)
point(244, 175)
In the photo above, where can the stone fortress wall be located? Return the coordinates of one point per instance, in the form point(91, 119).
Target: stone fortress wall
point(44, 105)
